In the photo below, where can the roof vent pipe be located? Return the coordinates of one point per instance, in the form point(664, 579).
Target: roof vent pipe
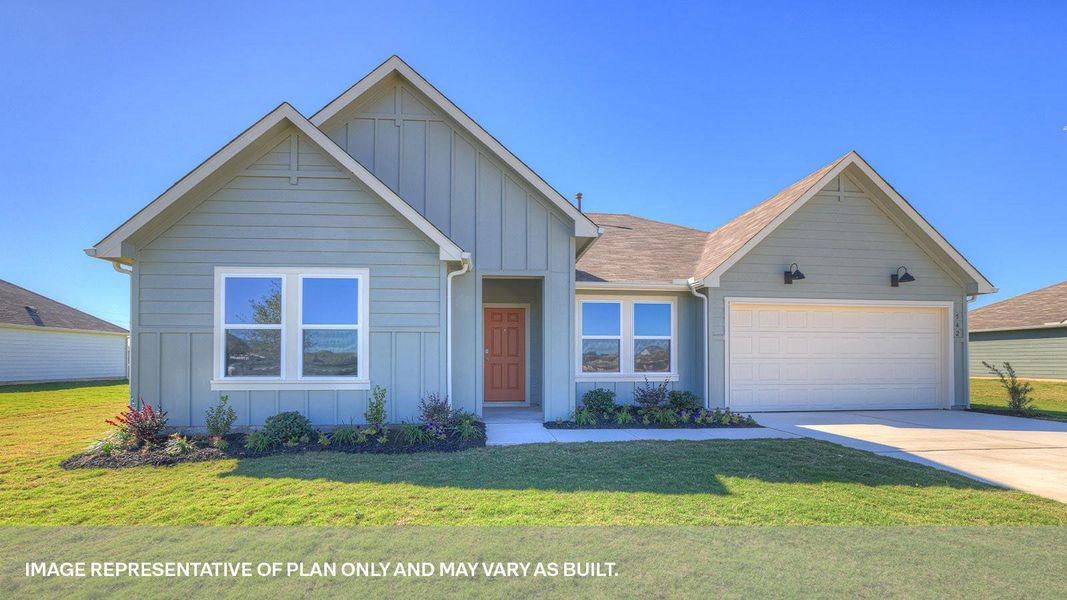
point(578, 200)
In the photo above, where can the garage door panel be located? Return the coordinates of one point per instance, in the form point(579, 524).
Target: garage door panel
point(796, 357)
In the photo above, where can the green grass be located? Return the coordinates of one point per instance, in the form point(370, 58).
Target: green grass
point(1050, 398)
point(761, 482)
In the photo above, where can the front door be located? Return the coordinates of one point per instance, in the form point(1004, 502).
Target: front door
point(505, 354)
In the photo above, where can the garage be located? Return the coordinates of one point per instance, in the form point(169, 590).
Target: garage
point(820, 355)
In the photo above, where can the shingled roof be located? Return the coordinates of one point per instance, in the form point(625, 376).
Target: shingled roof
point(633, 249)
point(1041, 308)
point(19, 306)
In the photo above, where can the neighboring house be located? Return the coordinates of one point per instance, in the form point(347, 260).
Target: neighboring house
point(44, 340)
point(1029, 331)
point(390, 240)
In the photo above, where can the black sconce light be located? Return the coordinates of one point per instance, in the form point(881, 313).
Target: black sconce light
point(896, 278)
point(793, 273)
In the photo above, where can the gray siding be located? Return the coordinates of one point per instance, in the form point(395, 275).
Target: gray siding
point(1038, 353)
point(262, 217)
point(847, 246)
point(690, 356)
point(482, 205)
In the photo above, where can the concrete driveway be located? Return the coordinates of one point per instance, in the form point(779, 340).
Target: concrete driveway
point(1025, 454)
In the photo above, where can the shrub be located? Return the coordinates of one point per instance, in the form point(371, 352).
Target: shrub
point(623, 416)
point(219, 443)
point(665, 416)
point(113, 442)
point(1019, 400)
point(178, 445)
point(599, 400)
point(679, 400)
point(219, 419)
point(346, 435)
point(584, 417)
point(375, 414)
point(143, 425)
point(258, 441)
point(287, 427)
point(435, 415)
point(650, 397)
point(467, 430)
point(324, 440)
point(413, 434)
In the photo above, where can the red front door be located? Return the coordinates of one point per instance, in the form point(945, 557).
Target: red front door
point(505, 354)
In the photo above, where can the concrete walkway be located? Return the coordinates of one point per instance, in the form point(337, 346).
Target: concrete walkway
point(502, 434)
point(1025, 454)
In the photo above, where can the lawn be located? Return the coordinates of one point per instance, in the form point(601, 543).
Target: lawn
point(760, 482)
point(1050, 398)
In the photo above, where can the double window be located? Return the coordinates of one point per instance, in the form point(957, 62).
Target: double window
point(626, 337)
point(277, 328)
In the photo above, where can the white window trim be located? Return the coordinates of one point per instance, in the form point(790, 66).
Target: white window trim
point(626, 339)
point(292, 327)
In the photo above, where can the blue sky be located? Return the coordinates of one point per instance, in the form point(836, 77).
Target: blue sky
point(686, 113)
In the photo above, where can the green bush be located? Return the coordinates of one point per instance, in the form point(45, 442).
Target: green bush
point(324, 440)
point(288, 427)
point(1019, 400)
point(599, 400)
point(347, 435)
point(220, 419)
point(651, 397)
point(584, 417)
point(665, 416)
point(376, 415)
point(623, 416)
point(679, 400)
point(413, 434)
point(467, 430)
point(258, 441)
point(178, 445)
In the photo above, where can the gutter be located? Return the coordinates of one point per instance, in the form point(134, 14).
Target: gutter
point(693, 283)
point(465, 261)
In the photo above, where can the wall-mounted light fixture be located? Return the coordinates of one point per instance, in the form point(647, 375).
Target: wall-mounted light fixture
point(793, 273)
point(896, 278)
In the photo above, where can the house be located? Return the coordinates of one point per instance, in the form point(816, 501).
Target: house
point(390, 240)
point(1029, 331)
point(44, 340)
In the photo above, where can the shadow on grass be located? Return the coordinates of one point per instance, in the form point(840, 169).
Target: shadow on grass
point(59, 386)
point(654, 467)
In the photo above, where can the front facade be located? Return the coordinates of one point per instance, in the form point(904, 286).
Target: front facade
point(1029, 331)
point(42, 340)
point(389, 240)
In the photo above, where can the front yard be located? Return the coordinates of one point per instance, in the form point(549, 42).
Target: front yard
point(760, 482)
point(1050, 398)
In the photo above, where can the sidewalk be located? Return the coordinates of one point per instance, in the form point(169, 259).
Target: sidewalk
point(503, 434)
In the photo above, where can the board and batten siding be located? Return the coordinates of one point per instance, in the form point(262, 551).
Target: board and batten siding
point(287, 211)
point(486, 208)
point(847, 246)
point(28, 355)
point(1037, 353)
point(689, 359)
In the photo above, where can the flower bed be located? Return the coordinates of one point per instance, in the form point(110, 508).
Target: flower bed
point(201, 450)
point(700, 419)
point(137, 439)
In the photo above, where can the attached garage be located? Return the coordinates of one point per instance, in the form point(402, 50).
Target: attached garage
point(829, 355)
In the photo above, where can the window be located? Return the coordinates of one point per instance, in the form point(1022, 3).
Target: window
point(329, 326)
point(626, 338)
point(601, 337)
point(290, 327)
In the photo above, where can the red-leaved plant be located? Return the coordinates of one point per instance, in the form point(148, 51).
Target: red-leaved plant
point(143, 425)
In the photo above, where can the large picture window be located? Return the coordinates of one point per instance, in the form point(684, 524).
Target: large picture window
point(281, 328)
point(628, 338)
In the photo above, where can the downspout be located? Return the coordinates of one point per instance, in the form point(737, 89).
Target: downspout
point(465, 261)
point(707, 351)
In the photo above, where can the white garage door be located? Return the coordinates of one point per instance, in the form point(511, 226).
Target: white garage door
point(830, 357)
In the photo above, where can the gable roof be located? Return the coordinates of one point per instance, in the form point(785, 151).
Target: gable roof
point(23, 308)
point(583, 227)
point(731, 242)
point(631, 250)
point(110, 247)
point(1046, 307)
point(637, 250)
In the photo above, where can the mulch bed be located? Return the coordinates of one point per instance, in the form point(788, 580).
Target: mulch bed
point(156, 456)
point(609, 423)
